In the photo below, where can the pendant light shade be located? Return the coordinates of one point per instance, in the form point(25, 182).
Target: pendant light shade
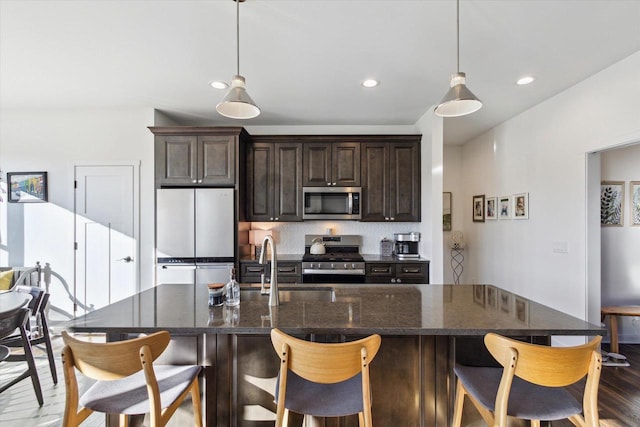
point(459, 100)
point(237, 104)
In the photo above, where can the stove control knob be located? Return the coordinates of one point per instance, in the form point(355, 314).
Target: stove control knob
point(333, 265)
point(311, 266)
point(353, 266)
point(346, 267)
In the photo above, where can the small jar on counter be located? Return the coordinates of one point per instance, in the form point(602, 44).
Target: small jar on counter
point(216, 294)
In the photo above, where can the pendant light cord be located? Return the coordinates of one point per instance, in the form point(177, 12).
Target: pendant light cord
point(238, 36)
point(458, 35)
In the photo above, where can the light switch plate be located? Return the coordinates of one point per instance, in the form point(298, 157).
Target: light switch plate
point(560, 247)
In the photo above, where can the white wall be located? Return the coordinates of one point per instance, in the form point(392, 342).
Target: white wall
point(53, 141)
point(543, 152)
point(453, 183)
point(621, 245)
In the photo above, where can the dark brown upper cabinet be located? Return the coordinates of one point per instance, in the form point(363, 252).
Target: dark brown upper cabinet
point(391, 180)
point(195, 156)
point(328, 164)
point(274, 180)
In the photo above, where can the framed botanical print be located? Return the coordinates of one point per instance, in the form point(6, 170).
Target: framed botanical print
point(478, 208)
point(611, 203)
point(634, 186)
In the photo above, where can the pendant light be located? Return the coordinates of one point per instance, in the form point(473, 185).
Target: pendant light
point(459, 100)
point(237, 104)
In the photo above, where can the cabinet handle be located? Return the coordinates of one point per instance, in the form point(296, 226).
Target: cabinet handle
point(271, 219)
point(411, 270)
point(386, 218)
point(286, 269)
point(393, 219)
point(393, 280)
point(195, 181)
point(199, 181)
point(399, 280)
point(328, 184)
point(333, 183)
point(277, 219)
point(255, 269)
point(380, 270)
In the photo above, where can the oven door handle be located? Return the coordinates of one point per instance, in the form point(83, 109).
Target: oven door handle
point(354, 272)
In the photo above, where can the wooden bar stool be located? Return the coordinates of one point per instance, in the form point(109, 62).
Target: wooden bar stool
point(613, 313)
point(531, 383)
point(128, 381)
point(324, 380)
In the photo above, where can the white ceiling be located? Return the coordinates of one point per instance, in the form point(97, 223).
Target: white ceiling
point(304, 59)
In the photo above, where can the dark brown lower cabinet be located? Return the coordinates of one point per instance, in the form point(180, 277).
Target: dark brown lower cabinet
point(397, 272)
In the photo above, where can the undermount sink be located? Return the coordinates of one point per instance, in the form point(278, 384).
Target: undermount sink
point(302, 294)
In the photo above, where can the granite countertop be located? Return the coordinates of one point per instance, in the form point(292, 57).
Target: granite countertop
point(353, 310)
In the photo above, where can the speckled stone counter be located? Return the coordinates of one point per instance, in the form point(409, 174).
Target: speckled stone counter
point(355, 310)
point(423, 328)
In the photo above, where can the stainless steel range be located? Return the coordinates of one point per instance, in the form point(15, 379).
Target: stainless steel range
point(332, 259)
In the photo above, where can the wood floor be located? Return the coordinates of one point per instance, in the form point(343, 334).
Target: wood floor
point(619, 397)
point(619, 392)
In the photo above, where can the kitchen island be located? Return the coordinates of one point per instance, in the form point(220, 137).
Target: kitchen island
point(423, 328)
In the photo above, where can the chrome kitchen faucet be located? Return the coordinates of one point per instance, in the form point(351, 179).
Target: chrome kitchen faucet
point(273, 290)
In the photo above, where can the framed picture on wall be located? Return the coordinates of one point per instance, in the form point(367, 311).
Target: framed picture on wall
point(27, 187)
point(634, 186)
point(611, 203)
point(504, 207)
point(491, 205)
point(521, 206)
point(478, 208)
point(446, 211)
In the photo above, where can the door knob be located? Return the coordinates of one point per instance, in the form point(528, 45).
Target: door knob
point(126, 259)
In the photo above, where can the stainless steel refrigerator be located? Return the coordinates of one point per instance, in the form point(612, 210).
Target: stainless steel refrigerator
point(195, 235)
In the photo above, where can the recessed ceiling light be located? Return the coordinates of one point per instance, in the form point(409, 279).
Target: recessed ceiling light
point(525, 80)
point(370, 83)
point(219, 85)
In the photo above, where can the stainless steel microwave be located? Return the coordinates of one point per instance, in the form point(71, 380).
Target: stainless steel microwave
point(332, 203)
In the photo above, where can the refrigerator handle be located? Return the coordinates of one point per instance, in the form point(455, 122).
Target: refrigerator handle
point(178, 267)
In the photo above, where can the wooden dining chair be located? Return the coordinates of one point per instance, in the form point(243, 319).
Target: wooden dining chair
point(128, 383)
point(11, 321)
point(531, 383)
point(324, 380)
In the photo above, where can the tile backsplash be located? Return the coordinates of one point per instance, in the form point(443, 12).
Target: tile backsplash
point(289, 236)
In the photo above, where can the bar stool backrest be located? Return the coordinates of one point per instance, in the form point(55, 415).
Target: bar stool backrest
point(114, 360)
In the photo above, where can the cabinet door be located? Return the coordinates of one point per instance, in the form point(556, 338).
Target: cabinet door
point(414, 272)
point(345, 164)
point(375, 181)
point(216, 160)
point(317, 164)
point(378, 272)
point(260, 182)
point(404, 183)
point(176, 160)
point(288, 182)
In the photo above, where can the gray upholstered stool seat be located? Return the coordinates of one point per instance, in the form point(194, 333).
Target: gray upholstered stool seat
point(526, 400)
point(323, 400)
point(129, 395)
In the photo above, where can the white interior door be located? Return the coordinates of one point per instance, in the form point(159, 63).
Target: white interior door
point(106, 201)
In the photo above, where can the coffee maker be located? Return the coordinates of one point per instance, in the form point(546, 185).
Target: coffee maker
point(406, 245)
